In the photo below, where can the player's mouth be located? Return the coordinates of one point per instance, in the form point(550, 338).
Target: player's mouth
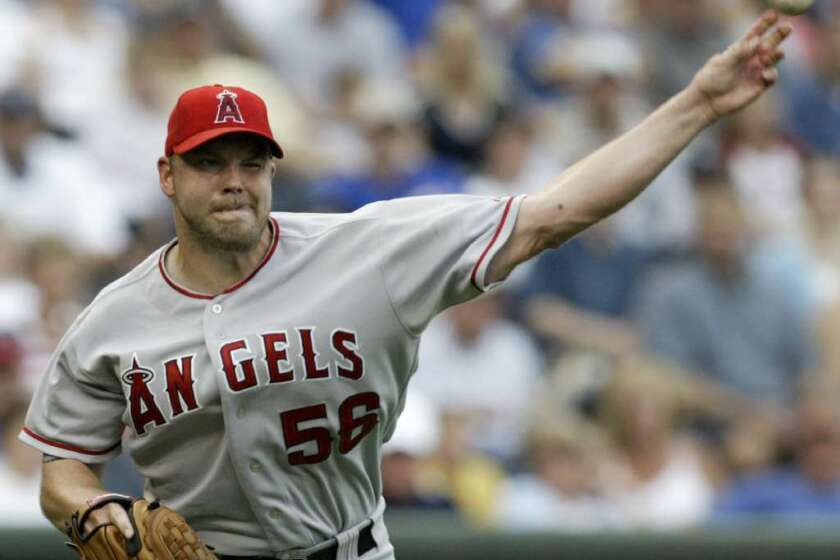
point(233, 212)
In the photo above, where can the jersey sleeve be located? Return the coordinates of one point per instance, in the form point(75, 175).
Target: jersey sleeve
point(76, 412)
point(436, 250)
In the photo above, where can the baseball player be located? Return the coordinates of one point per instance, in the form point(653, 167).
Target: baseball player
point(260, 360)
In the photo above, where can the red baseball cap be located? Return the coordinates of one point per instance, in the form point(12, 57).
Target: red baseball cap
point(207, 112)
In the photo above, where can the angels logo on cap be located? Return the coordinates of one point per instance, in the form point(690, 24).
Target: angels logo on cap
point(228, 108)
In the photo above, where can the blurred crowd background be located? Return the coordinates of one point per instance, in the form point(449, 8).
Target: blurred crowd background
point(675, 366)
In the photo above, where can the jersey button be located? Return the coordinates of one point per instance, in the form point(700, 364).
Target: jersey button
point(274, 513)
point(216, 308)
point(255, 466)
point(240, 412)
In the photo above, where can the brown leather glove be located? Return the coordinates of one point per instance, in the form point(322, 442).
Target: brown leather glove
point(159, 534)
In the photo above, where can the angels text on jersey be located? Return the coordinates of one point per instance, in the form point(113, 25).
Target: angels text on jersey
point(153, 405)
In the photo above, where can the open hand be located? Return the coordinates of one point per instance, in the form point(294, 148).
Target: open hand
point(736, 77)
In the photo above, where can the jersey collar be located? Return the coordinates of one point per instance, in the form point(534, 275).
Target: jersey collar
point(275, 238)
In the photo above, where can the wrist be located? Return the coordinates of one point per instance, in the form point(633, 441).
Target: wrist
point(696, 106)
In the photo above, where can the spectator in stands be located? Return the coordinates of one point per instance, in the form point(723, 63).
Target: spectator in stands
point(11, 385)
point(510, 163)
point(722, 316)
point(767, 174)
point(822, 244)
point(603, 13)
point(604, 71)
point(50, 291)
point(822, 228)
point(20, 471)
point(463, 86)
point(75, 52)
point(18, 297)
point(124, 151)
point(679, 35)
point(59, 273)
point(222, 29)
point(401, 163)
point(813, 108)
point(750, 445)
point(475, 363)
point(582, 294)
point(342, 139)
point(470, 478)
point(766, 170)
point(810, 488)
point(52, 187)
point(415, 17)
point(563, 490)
point(15, 19)
point(667, 482)
point(416, 438)
point(310, 41)
point(541, 35)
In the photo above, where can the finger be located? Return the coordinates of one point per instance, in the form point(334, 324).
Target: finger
point(110, 514)
point(743, 51)
point(119, 517)
point(769, 76)
point(776, 56)
point(779, 34)
point(770, 58)
point(760, 27)
point(753, 41)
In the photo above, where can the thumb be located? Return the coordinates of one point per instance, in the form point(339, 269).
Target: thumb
point(108, 513)
point(118, 517)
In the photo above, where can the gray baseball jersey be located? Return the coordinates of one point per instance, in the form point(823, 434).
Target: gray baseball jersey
point(259, 413)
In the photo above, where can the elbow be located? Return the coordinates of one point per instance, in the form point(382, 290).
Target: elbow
point(559, 222)
point(49, 509)
point(547, 222)
point(552, 236)
point(54, 485)
point(43, 497)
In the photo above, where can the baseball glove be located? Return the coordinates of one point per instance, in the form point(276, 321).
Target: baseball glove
point(159, 534)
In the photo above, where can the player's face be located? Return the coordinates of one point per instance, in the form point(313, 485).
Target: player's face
point(221, 191)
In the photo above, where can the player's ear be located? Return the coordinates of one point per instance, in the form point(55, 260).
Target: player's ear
point(165, 172)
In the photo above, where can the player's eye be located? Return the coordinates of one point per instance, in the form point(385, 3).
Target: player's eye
point(255, 165)
point(208, 163)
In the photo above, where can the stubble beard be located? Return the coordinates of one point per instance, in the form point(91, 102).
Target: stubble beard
point(233, 237)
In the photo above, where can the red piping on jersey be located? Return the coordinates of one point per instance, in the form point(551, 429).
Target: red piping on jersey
point(489, 245)
point(67, 446)
point(275, 229)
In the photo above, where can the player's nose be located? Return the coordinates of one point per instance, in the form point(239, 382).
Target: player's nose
point(233, 181)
